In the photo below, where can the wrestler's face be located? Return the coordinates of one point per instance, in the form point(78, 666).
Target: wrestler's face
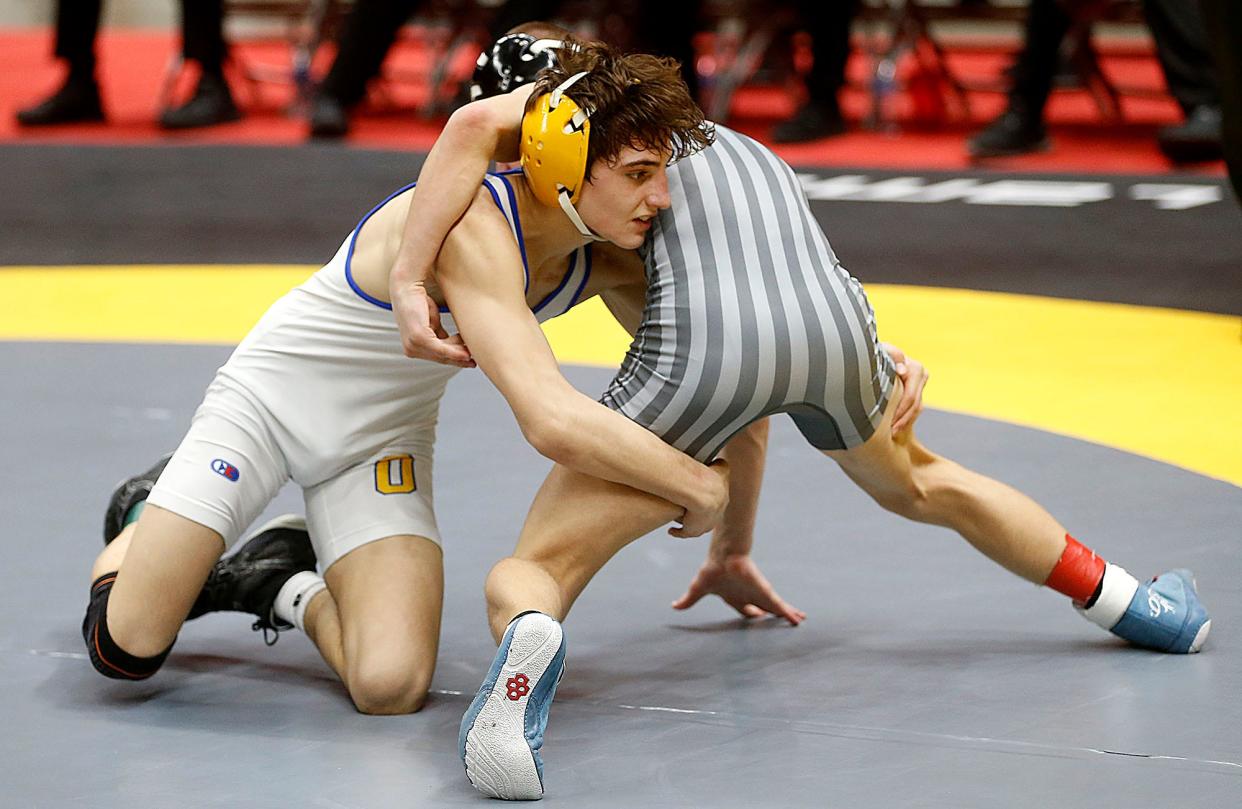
point(624, 195)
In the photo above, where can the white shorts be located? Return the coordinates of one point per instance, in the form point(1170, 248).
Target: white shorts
point(319, 393)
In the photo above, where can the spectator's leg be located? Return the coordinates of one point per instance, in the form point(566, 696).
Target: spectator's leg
point(829, 25)
point(1224, 25)
point(1020, 129)
point(366, 37)
point(77, 99)
point(1036, 67)
point(202, 41)
point(202, 34)
point(77, 26)
point(1182, 48)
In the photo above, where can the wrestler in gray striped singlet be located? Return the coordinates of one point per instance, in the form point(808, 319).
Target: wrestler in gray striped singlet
point(748, 313)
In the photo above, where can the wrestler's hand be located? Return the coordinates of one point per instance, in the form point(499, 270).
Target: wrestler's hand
point(418, 318)
point(913, 379)
point(737, 580)
point(701, 518)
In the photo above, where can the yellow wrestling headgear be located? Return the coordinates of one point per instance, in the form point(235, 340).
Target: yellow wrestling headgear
point(555, 135)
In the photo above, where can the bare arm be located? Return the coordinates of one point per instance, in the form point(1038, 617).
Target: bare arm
point(448, 181)
point(491, 312)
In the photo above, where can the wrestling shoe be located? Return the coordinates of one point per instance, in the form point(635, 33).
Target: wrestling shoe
point(249, 580)
point(502, 732)
point(129, 493)
point(1165, 615)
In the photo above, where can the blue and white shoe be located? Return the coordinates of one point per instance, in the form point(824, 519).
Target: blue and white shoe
point(1165, 614)
point(502, 731)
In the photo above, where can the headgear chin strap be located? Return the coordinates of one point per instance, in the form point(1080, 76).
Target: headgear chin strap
point(555, 136)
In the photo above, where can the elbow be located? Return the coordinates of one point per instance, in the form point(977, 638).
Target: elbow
point(475, 122)
point(548, 434)
point(467, 117)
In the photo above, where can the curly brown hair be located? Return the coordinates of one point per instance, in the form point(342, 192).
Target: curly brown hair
point(635, 100)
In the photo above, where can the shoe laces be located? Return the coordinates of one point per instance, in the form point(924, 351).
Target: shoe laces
point(271, 627)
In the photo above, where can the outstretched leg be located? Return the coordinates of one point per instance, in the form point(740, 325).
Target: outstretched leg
point(576, 524)
point(1013, 530)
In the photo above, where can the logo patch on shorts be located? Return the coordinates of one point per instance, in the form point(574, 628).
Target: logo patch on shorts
point(395, 475)
point(225, 469)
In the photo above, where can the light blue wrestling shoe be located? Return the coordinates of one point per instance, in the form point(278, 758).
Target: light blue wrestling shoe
point(502, 731)
point(1166, 615)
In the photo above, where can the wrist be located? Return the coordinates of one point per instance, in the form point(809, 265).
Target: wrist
point(706, 489)
point(726, 545)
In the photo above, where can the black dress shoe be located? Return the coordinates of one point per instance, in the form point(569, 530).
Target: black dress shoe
point(328, 118)
point(1013, 133)
point(812, 122)
point(76, 101)
point(211, 104)
point(1197, 139)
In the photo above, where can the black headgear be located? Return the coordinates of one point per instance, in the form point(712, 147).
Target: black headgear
point(511, 61)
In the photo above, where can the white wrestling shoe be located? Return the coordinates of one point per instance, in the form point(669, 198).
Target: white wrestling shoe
point(502, 731)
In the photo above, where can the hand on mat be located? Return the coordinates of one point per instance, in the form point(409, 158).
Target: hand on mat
point(422, 336)
point(913, 379)
point(737, 580)
point(698, 520)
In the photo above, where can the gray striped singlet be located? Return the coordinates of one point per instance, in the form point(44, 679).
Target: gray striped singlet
point(748, 313)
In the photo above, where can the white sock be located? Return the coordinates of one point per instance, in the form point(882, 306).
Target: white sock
point(295, 595)
point(1116, 592)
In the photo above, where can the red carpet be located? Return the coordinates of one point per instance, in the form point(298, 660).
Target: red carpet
point(133, 64)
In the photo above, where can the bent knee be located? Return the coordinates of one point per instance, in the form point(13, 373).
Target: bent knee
point(389, 688)
point(108, 658)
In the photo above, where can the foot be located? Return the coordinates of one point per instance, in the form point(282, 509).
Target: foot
point(328, 119)
point(211, 104)
point(249, 580)
point(502, 732)
point(128, 494)
point(1165, 615)
point(76, 101)
point(1013, 133)
point(812, 122)
point(1197, 139)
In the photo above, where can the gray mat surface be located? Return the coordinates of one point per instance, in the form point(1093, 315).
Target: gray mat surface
point(924, 676)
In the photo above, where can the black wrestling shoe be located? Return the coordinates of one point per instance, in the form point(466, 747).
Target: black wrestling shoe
point(1013, 133)
point(211, 104)
point(76, 101)
point(127, 494)
point(249, 580)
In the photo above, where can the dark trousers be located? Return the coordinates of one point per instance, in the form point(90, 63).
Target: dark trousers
point(1176, 28)
point(202, 33)
point(1224, 26)
point(366, 37)
point(829, 26)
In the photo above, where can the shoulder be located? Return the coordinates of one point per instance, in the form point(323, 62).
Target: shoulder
point(481, 215)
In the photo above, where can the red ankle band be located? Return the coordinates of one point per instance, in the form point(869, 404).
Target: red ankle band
point(1077, 572)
